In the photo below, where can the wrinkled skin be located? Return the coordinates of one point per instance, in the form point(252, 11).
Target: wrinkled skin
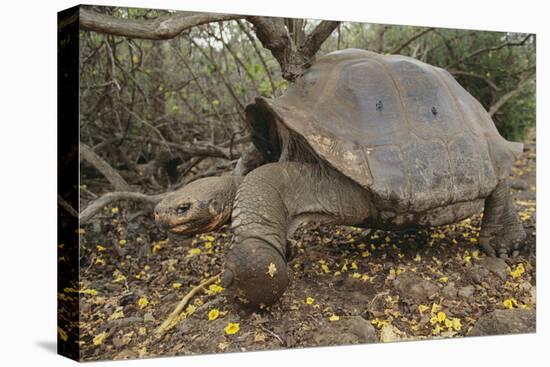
point(201, 206)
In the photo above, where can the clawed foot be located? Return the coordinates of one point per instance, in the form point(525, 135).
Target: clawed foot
point(502, 249)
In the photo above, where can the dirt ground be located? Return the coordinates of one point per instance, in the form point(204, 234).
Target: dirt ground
point(349, 285)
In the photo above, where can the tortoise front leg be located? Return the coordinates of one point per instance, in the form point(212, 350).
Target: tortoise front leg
point(502, 233)
point(271, 203)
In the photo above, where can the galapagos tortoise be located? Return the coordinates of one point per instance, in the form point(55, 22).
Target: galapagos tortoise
point(379, 141)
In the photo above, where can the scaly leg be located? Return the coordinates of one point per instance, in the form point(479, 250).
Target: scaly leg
point(502, 233)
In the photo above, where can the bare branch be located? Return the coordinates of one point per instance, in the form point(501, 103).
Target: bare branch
point(96, 205)
point(272, 33)
point(489, 82)
point(487, 49)
point(105, 168)
point(154, 29)
point(413, 38)
point(319, 35)
point(511, 94)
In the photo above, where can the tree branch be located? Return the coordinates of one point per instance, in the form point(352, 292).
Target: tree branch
point(155, 29)
point(511, 94)
point(489, 82)
point(413, 38)
point(105, 168)
point(96, 205)
point(272, 33)
point(487, 49)
point(319, 35)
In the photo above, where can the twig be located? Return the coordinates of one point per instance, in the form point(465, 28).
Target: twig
point(171, 319)
point(258, 52)
point(410, 40)
point(487, 49)
point(110, 197)
point(272, 334)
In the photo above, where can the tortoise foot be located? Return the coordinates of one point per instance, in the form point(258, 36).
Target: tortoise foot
point(256, 273)
point(502, 248)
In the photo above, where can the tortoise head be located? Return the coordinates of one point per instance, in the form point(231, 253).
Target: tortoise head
point(201, 206)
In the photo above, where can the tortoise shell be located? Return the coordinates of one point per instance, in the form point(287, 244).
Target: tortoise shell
point(403, 129)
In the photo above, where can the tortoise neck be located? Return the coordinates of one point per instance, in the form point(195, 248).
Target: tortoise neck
point(275, 199)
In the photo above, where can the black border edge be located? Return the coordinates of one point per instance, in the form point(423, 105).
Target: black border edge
point(68, 183)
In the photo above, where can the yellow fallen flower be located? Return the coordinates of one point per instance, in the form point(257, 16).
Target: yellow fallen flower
point(190, 309)
point(214, 288)
point(510, 303)
point(118, 314)
point(422, 308)
point(100, 338)
point(118, 276)
point(518, 271)
point(143, 302)
point(62, 334)
point(457, 325)
point(213, 314)
point(176, 285)
point(194, 251)
point(310, 300)
point(334, 318)
point(232, 328)
point(271, 270)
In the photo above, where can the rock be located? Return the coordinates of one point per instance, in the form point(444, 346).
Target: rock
point(449, 291)
point(519, 184)
point(525, 195)
point(148, 317)
point(496, 266)
point(347, 330)
point(515, 321)
point(466, 292)
point(412, 285)
point(479, 274)
point(118, 342)
point(390, 333)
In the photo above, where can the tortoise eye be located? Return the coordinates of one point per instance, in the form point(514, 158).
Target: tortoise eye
point(182, 209)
